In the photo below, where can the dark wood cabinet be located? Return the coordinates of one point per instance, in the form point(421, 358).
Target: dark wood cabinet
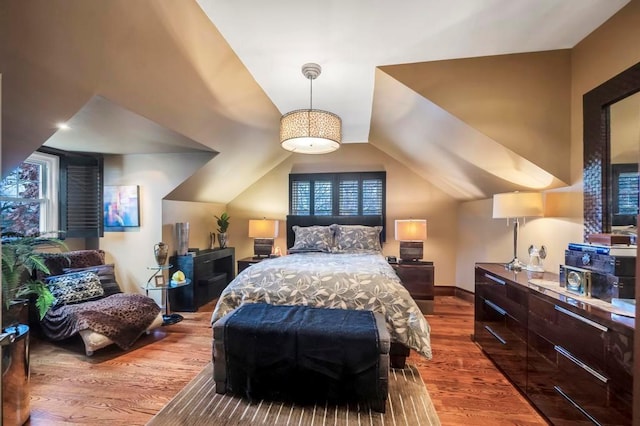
point(417, 277)
point(248, 261)
point(209, 271)
point(573, 361)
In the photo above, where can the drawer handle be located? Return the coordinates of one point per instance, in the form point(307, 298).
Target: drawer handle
point(204, 262)
point(578, 407)
point(498, 280)
point(581, 318)
point(496, 308)
point(494, 334)
point(565, 353)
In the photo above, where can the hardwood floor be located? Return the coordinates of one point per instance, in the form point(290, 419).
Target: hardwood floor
point(128, 388)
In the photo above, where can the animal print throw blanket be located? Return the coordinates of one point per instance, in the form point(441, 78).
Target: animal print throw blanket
point(122, 317)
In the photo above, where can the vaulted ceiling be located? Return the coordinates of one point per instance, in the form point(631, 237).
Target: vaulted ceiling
point(214, 76)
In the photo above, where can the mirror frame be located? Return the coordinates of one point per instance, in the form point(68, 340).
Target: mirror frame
point(597, 147)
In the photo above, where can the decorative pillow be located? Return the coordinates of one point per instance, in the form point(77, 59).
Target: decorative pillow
point(312, 238)
point(56, 262)
point(75, 287)
point(106, 274)
point(356, 238)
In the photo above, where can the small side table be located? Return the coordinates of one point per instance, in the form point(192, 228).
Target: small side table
point(417, 278)
point(248, 261)
point(168, 318)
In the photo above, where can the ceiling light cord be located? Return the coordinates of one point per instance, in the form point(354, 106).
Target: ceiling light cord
point(310, 77)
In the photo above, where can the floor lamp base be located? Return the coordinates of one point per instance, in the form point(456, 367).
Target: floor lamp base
point(515, 265)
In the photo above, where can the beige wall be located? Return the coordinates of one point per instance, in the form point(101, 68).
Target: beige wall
point(602, 55)
point(521, 101)
point(157, 175)
point(408, 196)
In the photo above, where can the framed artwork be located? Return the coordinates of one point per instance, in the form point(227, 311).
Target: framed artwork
point(159, 280)
point(121, 207)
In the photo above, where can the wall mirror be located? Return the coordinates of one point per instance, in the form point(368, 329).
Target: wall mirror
point(608, 158)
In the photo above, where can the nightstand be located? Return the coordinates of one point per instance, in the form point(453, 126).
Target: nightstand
point(248, 261)
point(417, 278)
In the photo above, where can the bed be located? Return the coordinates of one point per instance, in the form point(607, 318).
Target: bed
point(333, 265)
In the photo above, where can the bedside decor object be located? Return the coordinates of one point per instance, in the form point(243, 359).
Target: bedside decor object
point(411, 233)
point(517, 205)
point(310, 131)
point(263, 232)
point(535, 269)
point(223, 225)
point(182, 238)
point(160, 252)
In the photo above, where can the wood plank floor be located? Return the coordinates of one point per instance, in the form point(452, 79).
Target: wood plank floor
point(128, 388)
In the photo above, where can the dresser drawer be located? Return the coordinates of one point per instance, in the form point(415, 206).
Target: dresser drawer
point(581, 336)
point(542, 375)
point(503, 338)
point(511, 297)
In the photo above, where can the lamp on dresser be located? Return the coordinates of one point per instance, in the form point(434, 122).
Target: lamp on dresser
point(263, 232)
point(411, 233)
point(516, 206)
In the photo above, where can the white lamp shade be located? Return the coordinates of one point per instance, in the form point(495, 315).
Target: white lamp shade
point(263, 228)
point(517, 204)
point(411, 230)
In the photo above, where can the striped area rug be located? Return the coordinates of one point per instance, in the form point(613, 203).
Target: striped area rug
point(198, 404)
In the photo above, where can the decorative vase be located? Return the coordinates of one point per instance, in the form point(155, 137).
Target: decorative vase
point(212, 240)
point(161, 251)
point(222, 239)
point(182, 237)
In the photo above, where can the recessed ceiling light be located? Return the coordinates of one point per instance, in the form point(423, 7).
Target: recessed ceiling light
point(63, 126)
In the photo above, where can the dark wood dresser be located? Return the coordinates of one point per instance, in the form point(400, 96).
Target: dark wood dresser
point(571, 359)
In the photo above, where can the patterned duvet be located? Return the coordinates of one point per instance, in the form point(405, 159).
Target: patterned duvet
point(329, 280)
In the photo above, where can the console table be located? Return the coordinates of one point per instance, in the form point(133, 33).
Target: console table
point(209, 272)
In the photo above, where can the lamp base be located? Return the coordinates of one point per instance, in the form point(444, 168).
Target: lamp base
point(515, 265)
point(262, 247)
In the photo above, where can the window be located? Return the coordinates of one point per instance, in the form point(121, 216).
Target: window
point(54, 190)
point(29, 196)
point(624, 194)
point(337, 194)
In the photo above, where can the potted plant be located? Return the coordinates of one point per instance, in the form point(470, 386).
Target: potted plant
point(223, 225)
point(21, 261)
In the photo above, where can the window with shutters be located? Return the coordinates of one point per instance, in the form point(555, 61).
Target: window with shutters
point(52, 191)
point(337, 194)
point(29, 196)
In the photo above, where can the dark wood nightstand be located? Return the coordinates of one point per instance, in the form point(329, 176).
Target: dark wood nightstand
point(248, 261)
point(417, 277)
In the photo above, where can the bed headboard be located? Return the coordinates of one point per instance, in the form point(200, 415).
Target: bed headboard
point(329, 220)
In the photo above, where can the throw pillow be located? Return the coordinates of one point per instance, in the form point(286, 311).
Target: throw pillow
point(356, 238)
point(75, 287)
point(106, 274)
point(312, 238)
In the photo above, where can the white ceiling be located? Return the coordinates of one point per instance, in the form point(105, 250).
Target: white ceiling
point(350, 38)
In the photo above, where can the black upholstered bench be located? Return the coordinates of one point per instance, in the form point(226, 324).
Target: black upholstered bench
point(302, 354)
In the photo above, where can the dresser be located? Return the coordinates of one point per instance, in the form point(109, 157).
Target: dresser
point(571, 359)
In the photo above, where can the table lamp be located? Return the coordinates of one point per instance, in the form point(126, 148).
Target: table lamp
point(516, 205)
point(263, 232)
point(411, 233)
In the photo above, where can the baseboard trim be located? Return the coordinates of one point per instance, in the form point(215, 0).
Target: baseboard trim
point(447, 290)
